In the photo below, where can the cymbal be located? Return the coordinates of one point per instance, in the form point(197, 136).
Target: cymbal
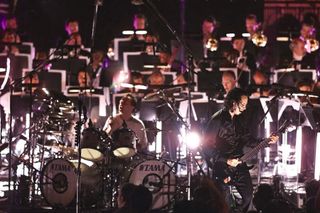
point(167, 86)
point(158, 95)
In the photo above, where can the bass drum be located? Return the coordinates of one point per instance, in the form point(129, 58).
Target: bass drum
point(159, 178)
point(58, 183)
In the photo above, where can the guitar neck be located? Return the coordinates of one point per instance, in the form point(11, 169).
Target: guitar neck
point(247, 156)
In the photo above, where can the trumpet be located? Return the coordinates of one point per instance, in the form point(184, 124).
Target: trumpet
point(259, 39)
point(212, 44)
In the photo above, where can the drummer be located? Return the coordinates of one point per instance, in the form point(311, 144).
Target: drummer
point(125, 118)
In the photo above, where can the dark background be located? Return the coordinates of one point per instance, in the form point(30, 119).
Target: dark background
point(42, 21)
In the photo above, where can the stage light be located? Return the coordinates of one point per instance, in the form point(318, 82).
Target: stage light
point(282, 38)
point(230, 35)
point(246, 35)
point(298, 148)
point(6, 77)
point(141, 32)
point(158, 138)
point(119, 78)
point(267, 149)
point(317, 159)
point(192, 140)
point(132, 32)
point(127, 32)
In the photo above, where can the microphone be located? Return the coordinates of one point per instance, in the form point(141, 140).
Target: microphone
point(137, 2)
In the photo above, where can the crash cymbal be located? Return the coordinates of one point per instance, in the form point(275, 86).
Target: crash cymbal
point(167, 86)
point(162, 93)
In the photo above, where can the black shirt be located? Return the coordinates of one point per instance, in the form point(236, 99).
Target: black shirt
point(226, 136)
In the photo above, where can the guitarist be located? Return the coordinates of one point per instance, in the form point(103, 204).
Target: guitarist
point(225, 137)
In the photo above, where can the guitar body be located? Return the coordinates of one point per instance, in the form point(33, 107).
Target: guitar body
point(222, 170)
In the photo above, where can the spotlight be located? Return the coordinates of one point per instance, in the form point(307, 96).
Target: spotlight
point(192, 140)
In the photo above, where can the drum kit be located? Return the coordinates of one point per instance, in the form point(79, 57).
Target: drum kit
point(49, 158)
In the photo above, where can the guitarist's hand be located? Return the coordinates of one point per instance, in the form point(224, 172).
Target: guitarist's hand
point(273, 139)
point(233, 162)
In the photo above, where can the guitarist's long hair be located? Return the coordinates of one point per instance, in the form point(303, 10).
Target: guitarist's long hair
point(234, 96)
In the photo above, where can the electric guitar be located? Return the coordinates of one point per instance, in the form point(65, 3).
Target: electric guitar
point(222, 172)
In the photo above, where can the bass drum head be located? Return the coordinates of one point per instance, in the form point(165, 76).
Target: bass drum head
point(91, 182)
point(58, 182)
point(159, 178)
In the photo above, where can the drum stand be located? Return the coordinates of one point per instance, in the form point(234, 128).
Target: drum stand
point(190, 67)
point(80, 122)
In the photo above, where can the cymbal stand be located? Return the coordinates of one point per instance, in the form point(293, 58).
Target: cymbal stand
point(181, 41)
point(80, 122)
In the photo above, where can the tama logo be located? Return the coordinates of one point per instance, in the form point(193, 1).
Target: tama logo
point(152, 168)
point(61, 167)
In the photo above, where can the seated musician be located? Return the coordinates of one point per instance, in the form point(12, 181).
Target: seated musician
point(125, 119)
point(228, 81)
point(306, 87)
point(225, 136)
point(84, 78)
point(242, 59)
point(9, 40)
point(298, 58)
point(74, 44)
point(156, 79)
point(260, 78)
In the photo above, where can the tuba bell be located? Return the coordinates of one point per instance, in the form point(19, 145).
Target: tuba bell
point(212, 44)
point(311, 44)
point(259, 39)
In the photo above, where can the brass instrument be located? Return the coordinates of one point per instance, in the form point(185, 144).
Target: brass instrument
point(212, 44)
point(311, 45)
point(110, 53)
point(259, 39)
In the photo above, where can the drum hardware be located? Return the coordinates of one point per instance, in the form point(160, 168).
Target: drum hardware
point(93, 144)
point(124, 140)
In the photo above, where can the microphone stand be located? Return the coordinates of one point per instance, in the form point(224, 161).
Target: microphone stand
point(190, 71)
point(94, 21)
point(80, 122)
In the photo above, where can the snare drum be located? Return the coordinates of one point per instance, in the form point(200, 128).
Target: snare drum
point(58, 182)
point(159, 178)
point(124, 141)
point(92, 144)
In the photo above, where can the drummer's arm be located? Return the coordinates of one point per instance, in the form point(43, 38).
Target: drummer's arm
point(111, 125)
point(143, 141)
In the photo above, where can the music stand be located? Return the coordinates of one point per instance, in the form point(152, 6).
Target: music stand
point(287, 77)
